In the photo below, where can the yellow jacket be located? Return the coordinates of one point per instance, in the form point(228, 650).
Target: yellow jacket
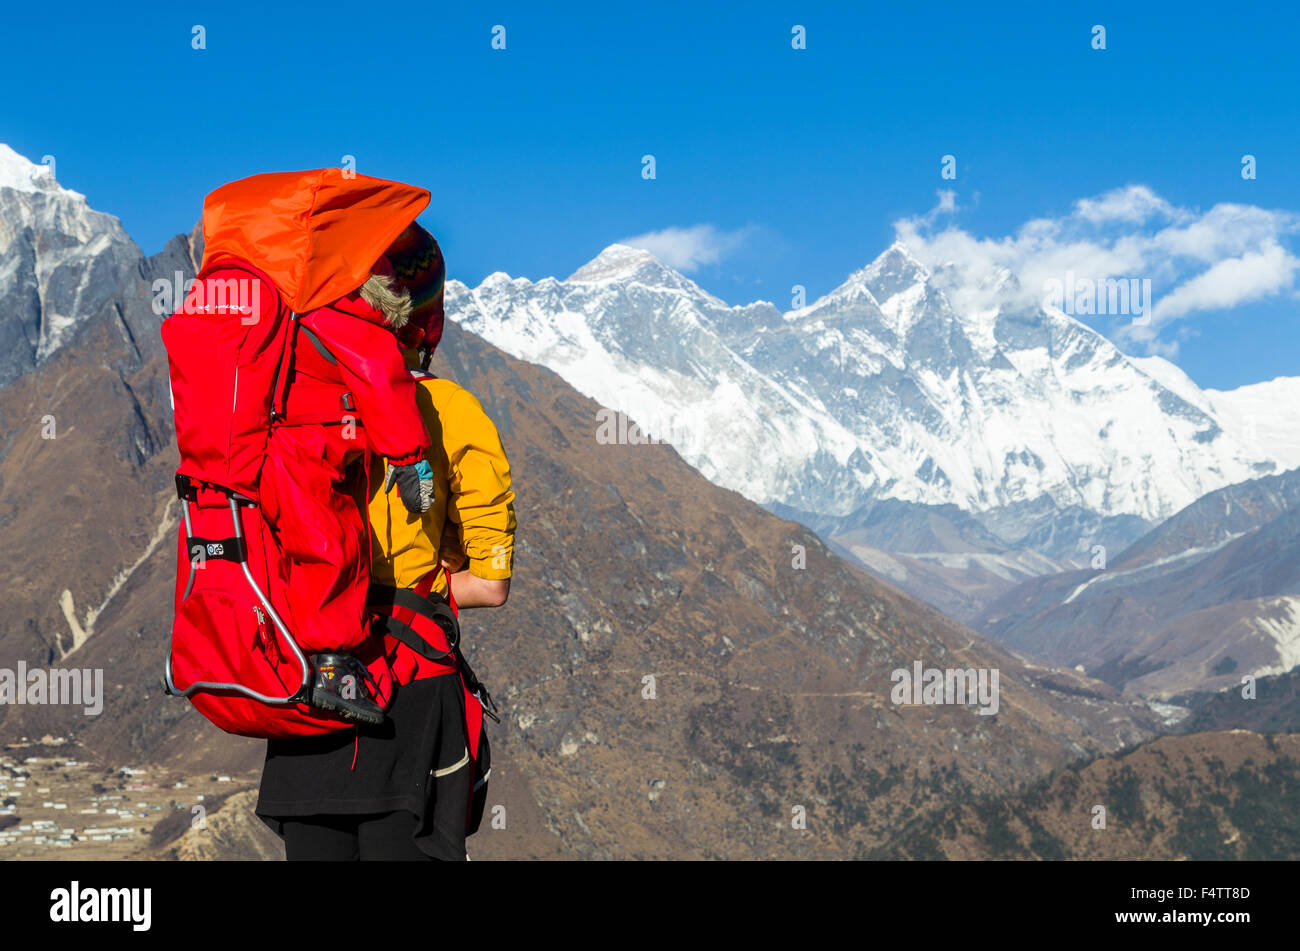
point(471, 478)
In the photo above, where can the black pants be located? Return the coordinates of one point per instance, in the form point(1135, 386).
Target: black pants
point(365, 838)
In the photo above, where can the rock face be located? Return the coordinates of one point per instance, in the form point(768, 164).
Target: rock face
point(1210, 595)
point(64, 266)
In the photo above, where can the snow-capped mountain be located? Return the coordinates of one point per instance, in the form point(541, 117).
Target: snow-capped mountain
point(638, 337)
point(61, 263)
point(883, 389)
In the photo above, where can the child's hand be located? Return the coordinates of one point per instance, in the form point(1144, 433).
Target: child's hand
point(450, 555)
point(414, 485)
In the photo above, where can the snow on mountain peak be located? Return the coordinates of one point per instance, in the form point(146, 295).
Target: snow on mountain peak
point(620, 265)
point(898, 265)
point(618, 262)
point(59, 260)
point(896, 270)
point(18, 173)
point(900, 254)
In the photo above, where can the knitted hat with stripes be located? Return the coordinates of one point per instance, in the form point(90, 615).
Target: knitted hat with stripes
point(418, 268)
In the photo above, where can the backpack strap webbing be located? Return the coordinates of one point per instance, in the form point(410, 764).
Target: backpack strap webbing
point(384, 599)
point(315, 341)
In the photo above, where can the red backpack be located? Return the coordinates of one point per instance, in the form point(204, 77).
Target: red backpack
point(232, 654)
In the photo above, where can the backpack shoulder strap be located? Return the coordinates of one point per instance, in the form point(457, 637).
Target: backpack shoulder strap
point(315, 341)
point(280, 394)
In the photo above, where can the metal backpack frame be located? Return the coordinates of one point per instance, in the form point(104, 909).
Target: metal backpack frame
point(232, 549)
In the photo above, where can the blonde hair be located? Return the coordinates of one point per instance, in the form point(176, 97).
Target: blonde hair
point(382, 293)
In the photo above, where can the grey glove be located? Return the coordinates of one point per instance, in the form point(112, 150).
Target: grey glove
point(414, 485)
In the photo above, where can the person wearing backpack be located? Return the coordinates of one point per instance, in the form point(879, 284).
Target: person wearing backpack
point(413, 788)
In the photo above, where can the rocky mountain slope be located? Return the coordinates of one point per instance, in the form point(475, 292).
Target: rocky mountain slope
point(1272, 706)
point(1206, 797)
point(61, 264)
point(1211, 594)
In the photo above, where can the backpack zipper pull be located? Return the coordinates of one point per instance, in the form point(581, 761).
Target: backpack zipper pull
point(262, 639)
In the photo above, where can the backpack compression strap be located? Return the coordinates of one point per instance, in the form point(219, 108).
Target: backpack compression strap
point(384, 599)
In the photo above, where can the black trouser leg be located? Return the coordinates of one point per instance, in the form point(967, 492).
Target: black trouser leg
point(389, 838)
point(321, 839)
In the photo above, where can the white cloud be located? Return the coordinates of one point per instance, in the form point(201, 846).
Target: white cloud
point(685, 249)
point(1197, 261)
point(1134, 204)
point(1231, 282)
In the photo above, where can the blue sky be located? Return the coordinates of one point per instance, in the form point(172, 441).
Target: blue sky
point(801, 162)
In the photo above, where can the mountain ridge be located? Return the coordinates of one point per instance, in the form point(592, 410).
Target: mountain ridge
point(1208, 596)
point(806, 371)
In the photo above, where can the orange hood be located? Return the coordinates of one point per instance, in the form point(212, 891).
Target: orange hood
point(316, 234)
